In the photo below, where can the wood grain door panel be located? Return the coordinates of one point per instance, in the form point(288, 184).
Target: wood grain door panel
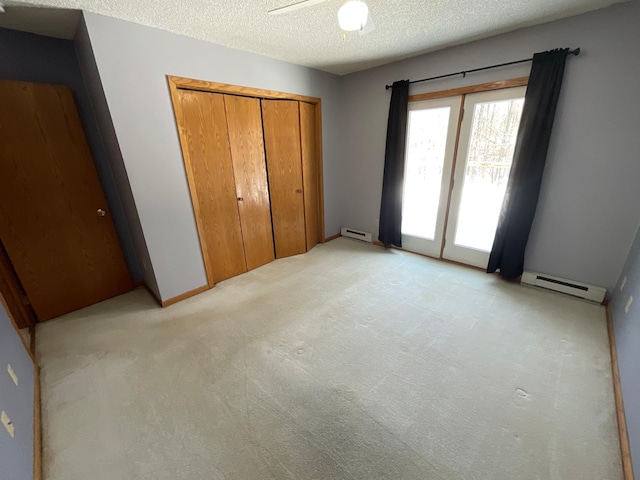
point(205, 144)
point(13, 293)
point(66, 255)
point(244, 122)
point(281, 123)
point(310, 173)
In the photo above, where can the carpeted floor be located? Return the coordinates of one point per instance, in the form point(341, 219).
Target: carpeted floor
point(348, 362)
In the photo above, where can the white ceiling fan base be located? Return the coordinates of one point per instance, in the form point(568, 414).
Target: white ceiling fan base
point(294, 6)
point(366, 28)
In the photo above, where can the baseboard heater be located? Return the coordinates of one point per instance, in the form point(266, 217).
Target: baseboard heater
point(570, 287)
point(357, 234)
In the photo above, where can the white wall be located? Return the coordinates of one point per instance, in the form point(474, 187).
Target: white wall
point(590, 200)
point(132, 62)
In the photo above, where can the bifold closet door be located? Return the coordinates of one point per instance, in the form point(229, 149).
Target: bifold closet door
point(205, 145)
point(281, 123)
point(244, 122)
point(309, 173)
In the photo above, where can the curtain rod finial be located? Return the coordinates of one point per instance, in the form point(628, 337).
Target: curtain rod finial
point(576, 51)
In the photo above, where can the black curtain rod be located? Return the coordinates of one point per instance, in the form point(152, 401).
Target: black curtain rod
point(464, 72)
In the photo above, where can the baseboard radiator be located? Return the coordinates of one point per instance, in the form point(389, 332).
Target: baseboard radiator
point(357, 234)
point(570, 287)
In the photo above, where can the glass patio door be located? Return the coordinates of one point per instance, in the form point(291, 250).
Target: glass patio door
point(485, 152)
point(431, 138)
point(452, 199)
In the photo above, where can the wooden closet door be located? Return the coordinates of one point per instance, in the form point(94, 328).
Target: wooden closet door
point(205, 145)
point(310, 173)
point(54, 220)
point(247, 154)
point(281, 123)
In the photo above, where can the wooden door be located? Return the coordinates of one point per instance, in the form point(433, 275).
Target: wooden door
point(13, 293)
point(281, 123)
point(204, 136)
point(54, 220)
point(247, 154)
point(310, 173)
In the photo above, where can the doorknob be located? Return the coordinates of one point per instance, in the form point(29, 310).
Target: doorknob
point(101, 212)
point(240, 199)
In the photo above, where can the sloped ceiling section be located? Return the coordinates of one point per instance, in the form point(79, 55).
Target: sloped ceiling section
point(311, 36)
point(50, 22)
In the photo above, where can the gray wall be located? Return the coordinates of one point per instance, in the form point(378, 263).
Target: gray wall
point(104, 123)
point(627, 333)
point(34, 58)
point(132, 62)
point(16, 454)
point(590, 201)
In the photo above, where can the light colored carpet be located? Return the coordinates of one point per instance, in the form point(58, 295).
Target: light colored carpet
point(349, 362)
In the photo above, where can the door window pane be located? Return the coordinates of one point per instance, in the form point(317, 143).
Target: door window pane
point(491, 145)
point(427, 139)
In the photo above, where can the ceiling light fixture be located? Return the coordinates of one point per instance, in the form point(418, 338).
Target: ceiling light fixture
point(353, 15)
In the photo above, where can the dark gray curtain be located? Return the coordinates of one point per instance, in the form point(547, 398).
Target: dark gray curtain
point(523, 187)
point(393, 180)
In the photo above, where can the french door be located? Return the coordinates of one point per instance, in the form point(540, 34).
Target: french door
point(458, 159)
point(430, 153)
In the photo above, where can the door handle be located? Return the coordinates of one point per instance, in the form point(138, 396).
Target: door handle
point(101, 212)
point(240, 199)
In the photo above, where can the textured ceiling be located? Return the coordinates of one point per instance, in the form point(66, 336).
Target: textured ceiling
point(312, 37)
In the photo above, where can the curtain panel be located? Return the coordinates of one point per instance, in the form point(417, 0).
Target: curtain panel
point(530, 155)
point(393, 179)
